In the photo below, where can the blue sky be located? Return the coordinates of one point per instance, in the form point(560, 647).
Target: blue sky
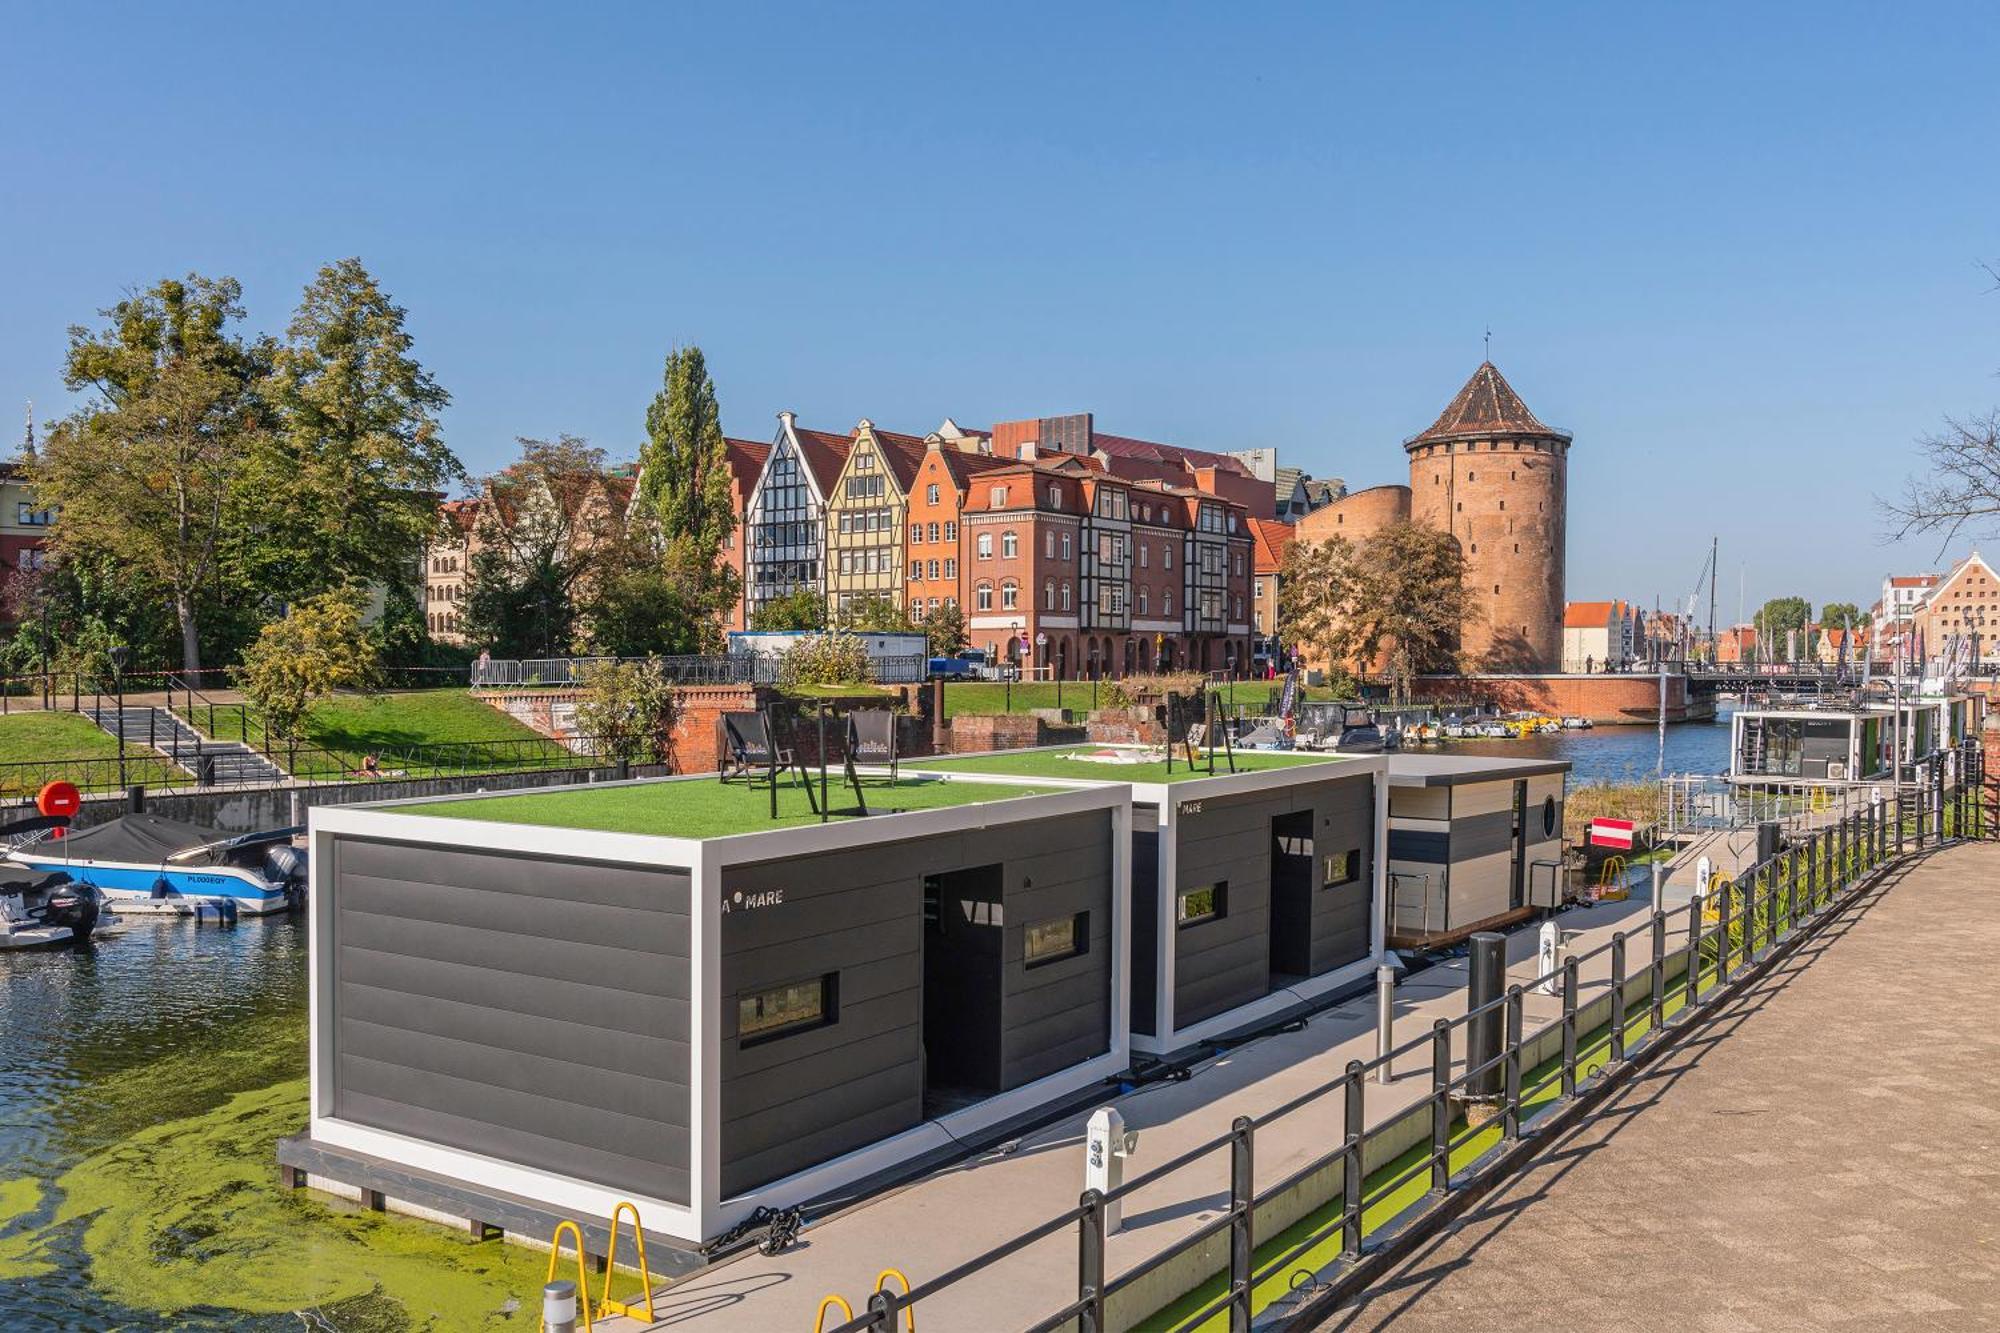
point(1734, 249)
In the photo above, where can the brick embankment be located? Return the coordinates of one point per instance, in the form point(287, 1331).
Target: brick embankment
point(1824, 1155)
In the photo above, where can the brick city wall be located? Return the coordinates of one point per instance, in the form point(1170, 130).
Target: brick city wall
point(1605, 699)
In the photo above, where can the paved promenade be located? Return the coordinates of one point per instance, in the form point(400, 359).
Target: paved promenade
point(930, 1226)
point(1825, 1155)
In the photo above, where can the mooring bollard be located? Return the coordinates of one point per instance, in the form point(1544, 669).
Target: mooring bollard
point(1107, 1143)
point(1483, 982)
point(559, 1307)
point(1385, 1020)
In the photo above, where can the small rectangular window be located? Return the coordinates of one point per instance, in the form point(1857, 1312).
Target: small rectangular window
point(1342, 867)
point(1210, 902)
point(780, 1011)
point(1053, 940)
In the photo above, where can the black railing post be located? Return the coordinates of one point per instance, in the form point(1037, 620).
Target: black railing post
point(1812, 872)
point(1242, 1206)
point(1510, 1111)
point(1569, 1028)
point(1090, 1264)
point(1791, 890)
point(1440, 1106)
point(1722, 934)
point(1691, 983)
point(1617, 996)
point(1899, 818)
point(1840, 838)
point(1656, 991)
point(1354, 1126)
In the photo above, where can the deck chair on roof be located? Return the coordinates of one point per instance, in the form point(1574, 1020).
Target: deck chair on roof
point(749, 750)
point(871, 739)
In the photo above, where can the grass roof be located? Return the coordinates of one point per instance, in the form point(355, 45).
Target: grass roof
point(706, 808)
point(1064, 763)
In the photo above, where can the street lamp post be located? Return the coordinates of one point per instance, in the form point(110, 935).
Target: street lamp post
point(119, 655)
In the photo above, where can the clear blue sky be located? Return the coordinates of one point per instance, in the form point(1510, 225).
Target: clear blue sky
point(1733, 249)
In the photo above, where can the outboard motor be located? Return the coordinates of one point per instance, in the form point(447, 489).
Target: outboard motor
point(285, 864)
point(74, 905)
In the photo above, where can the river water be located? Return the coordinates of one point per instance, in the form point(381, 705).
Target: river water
point(143, 1081)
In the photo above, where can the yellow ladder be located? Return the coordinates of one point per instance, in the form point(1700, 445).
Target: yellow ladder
point(582, 1281)
point(630, 1309)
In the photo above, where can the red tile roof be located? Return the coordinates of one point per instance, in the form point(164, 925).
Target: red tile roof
point(1486, 406)
point(1588, 615)
point(746, 461)
point(1272, 538)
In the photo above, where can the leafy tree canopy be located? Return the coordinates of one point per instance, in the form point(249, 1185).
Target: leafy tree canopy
point(801, 608)
point(1782, 614)
point(351, 478)
point(945, 629)
point(149, 474)
point(1840, 615)
point(1398, 598)
point(629, 709)
point(319, 646)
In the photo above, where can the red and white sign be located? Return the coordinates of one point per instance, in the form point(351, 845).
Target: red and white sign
point(1611, 833)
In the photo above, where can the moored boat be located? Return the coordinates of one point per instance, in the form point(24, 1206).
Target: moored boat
point(147, 863)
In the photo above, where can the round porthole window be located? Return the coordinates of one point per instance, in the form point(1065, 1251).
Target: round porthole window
point(1549, 817)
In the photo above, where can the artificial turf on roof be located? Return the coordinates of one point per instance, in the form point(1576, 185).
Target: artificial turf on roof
point(706, 808)
point(1059, 763)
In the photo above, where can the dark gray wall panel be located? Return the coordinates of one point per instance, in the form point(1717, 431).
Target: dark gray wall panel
point(530, 1009)
point(802, 1098)
point(1427, 845)
point(1474, 836)
point(1343, 820)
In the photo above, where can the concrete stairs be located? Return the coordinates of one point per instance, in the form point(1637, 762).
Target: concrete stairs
point(149, 727)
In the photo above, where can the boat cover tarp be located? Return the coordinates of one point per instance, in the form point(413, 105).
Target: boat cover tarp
point(143, 839)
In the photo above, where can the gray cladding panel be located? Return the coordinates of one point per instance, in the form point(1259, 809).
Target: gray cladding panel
point(531, 1009)
point(800, 1099)
point(1220, 965)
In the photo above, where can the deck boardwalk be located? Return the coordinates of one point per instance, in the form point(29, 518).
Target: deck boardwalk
point(1820, 1157)
point(940, 1221)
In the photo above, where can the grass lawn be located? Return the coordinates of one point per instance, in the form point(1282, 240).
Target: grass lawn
point(343, 729)
point(1060, 763)
point(706, 808)
point(36, 748)
point(809, 692)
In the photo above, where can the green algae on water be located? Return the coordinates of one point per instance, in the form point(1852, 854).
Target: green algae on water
point(189, 1213)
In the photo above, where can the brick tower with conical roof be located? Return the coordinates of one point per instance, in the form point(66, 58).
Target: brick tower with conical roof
point(1489, 472)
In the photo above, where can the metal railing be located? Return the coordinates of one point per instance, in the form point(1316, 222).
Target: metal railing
point(1593, 1046)
point(702, 669)
point(300, 764)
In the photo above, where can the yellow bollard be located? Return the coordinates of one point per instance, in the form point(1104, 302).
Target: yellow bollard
point(582, 1280)
point(630, 1309)
point(846, 1312)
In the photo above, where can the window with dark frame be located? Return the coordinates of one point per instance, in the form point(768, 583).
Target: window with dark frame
point(1342, 868)
point(1051, 941)
point(780, 1011)
point(1210, 902)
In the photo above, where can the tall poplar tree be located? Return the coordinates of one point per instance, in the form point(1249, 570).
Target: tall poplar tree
point(684, 478)
point(355, 471)
point(148, 473)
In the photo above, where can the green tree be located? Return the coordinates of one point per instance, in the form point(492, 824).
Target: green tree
point(871, 615)
point(1776, 622)
point(319, 646)
point(1842, 615)
point(549, 525)
point(684, 484)
point(350, 481)
point(641, 609)
point(945, 630)
point(628, 709)
point(148, 473)
point(799, 609)
point(1397, 597)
